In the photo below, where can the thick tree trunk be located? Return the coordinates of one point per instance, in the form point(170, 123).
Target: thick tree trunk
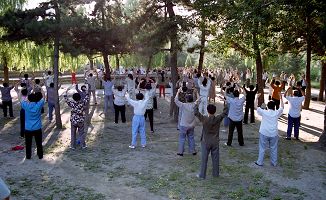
point(173, 58)
point(5, 71)
point(202, 49)
point(322, 82)
point(106, 65)
point(91, 62)
point(150, 58)
point(308, 64)
point(58, 121)
point(259, 68)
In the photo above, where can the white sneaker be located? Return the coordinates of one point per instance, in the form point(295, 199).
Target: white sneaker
point(132, 147)
point(143, 146)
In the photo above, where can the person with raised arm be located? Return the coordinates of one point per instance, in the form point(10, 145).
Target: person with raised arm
point(204, 87)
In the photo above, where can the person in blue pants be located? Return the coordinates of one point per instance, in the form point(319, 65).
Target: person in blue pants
point(138, 120)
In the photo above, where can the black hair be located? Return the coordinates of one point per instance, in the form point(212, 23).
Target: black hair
point(26, 76)
point(198, 75)
point(299, 83)
point(76, 97)
point(204, 82)
point(189, 98)
point(296, 93)
point(83, 86)
point(236, 93)
point(162, 76)
point(139, 96)
point(37, 81)
point(24, 92)
point(228, 83)
point(5, 84)
point(251, 87)
point(119, 88)
point(130, 76)
point(271, 105)
point(184, 89)
point(148, 86)
point(49, 72)
point(213, 78)
point(32, 97)
point(211, 109)
point(277, 83)
point(38, 96)
point(52, 85)
point(230, 90)
point(23, 85)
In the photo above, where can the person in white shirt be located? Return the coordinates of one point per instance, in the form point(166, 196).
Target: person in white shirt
point(294, 115)
point(119, 103)
point(91, 80)
point(235, 116)
point(138, 120)
point(204, 88)
point(268, 131)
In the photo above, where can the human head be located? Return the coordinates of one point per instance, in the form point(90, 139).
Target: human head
point(236, 93)
point(90, 75)
point(49, 72)
point(83, 88)
point(38, 96)
point(184, 89)
point(32, 97)
point(24, 92)
point(52, 85)
point(130, 76)
point(139, 96)
point(37, 81)
point(26, 76)
point(76, 97)
point(119, 88)
point(251, 87)
point(277, 83)
point(296, 93)
point(271, 105)
point(148, 86)
point(198, 75)
point(5, 84)
point(204, 82)
point(211, 109)
point(23, 85)
point(189, 98)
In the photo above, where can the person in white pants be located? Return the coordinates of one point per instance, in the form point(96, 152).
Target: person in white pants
point(204, 87)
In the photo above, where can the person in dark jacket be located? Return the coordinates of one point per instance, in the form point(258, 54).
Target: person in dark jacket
point(210, 138)
point(250, 101)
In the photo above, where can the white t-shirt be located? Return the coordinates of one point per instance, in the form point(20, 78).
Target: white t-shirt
point(204, 90)
point(236, 108)
point(48, 80)
point(269, 122)
point(119, 96)
point(295, 105)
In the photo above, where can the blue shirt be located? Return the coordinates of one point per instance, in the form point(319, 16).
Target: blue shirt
point(33, 119)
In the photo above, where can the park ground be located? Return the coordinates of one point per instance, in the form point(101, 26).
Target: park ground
point(108, 169)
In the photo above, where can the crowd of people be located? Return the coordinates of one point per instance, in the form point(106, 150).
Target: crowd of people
point(195, 98)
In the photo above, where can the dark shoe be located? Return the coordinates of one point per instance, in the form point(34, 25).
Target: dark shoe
point(180, 154)
point(297, 138)
point(241, 145)
point(258, 164)
point(194, 153)
point(288, 138)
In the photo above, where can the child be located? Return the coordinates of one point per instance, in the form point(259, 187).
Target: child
point(187, 123)
point(210, 138)
point(138, 120)
point(119, 103)
point(77, 118)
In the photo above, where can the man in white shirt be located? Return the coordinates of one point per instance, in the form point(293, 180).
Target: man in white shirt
point(268, 131)
point(108, 93)
point(235, 116)
point(138, 120)
point(91, 80)
point(295, 103)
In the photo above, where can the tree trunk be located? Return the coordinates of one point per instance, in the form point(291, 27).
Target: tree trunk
point(259, 68)
point(322, 138)
point(202, 49)
point(5, 70)
point(173, 58)
point(117, 61)
point(322, 82)
point(150, 58)
point(106, 65)
point(91, 62)
point(58, 121)
point(308, 66)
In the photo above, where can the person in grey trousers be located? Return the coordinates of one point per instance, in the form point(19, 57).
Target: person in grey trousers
point(210, 138)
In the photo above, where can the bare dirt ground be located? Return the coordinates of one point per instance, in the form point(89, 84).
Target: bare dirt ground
point(108, 169)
